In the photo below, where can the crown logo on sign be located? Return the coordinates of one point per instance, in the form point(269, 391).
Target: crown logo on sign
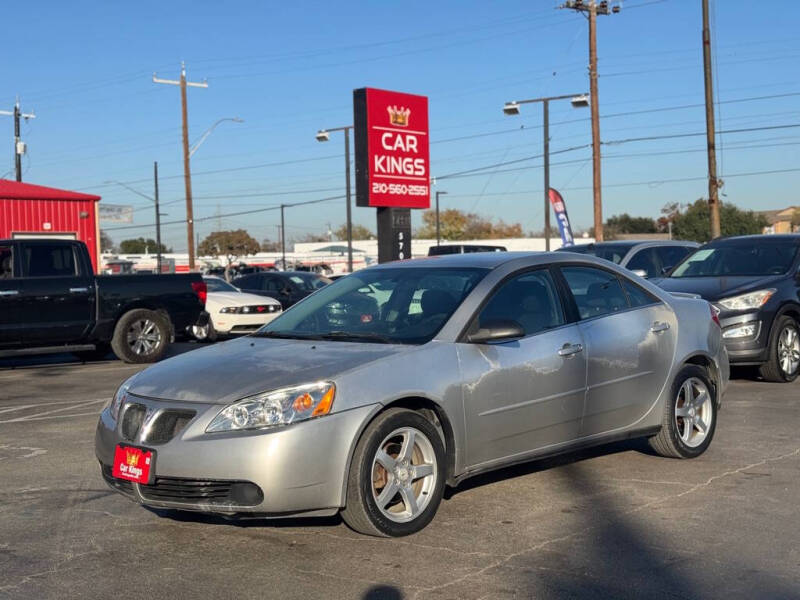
point(399, 116)
point(132, 458)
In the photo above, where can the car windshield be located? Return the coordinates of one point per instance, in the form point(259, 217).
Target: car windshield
point(611, 252)
point(742, 259)
point(397, 306)
point(218, 285)
point(308, 281)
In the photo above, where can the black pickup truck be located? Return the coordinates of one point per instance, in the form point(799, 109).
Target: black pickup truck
point(51, 301)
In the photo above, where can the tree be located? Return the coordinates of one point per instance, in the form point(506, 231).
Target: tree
point(625, 223)
point(270, 246)
point(230, 244)
point(106, 243)
point(313, 238)
point(141, 246)
point(359, 233)
point(695, 223)
point(459, 225)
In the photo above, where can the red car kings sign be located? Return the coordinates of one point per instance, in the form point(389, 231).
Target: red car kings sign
point(391, 149)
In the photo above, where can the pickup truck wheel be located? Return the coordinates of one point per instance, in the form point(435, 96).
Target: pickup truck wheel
point(784, 352)
point(141, 336)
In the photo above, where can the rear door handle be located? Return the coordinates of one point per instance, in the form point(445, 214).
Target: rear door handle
point(78, 290)
point(9, 292)
point(570, 349)
point(659, 327)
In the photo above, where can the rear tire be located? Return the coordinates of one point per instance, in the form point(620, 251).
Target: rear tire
point(690, 415)
point(784, 352)
point(397, 475)
point(141, 336)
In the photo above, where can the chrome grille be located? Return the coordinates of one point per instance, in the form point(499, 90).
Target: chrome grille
point(132, 420)
point(167, 425)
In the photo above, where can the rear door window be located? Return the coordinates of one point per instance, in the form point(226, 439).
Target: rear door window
point(596, 292)
point(49, 260)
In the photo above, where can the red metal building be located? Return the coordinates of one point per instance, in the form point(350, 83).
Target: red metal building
point(36, 211)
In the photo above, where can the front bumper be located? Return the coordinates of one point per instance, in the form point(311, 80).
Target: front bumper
point(747, 350)
point(298, 469)
point(237, 324)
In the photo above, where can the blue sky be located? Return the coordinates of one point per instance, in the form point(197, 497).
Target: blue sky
point(289, 69)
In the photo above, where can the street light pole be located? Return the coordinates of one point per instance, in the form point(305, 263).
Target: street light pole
point(438, 235)
point(323, 135)
point(158, 219)
point(512, 108)
point(283, 239)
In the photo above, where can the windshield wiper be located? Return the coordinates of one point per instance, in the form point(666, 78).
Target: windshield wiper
point(350, 335)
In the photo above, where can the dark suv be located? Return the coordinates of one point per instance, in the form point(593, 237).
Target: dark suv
point(754, 281)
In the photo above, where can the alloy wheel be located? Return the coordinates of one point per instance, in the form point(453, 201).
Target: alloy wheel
point(694, 412)
point(789, 350)
point(200, 332)
point(404, 474)
point(144, 336)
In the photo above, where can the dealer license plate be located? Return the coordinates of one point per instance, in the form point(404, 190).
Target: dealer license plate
point(133, 464)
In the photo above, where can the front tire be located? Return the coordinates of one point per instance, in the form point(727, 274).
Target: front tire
point(397, 476)
point(141, 336)
point(784, 352)
point(690, 415)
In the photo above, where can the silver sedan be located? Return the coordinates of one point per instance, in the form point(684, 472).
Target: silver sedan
point(372, 394)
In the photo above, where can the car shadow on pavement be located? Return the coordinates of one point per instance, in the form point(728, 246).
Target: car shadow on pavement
point(618, 552)
point(544, 464)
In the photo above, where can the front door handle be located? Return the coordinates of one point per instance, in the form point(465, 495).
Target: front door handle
point(570, 349)
point(9, 292)
point(78, 290)
point(659, 327)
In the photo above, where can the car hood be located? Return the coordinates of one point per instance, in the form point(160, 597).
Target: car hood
point(715, 288)
point(227, 372)
point(238, 299)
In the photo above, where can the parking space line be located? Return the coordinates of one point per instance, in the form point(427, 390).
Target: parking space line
point(23, 406)
point(37, 416)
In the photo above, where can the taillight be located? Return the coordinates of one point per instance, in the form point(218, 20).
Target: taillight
point(201, 289)
point(714, 314)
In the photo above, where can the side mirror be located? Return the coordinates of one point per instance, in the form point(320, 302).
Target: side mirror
point(496, 330)
point(640, 272)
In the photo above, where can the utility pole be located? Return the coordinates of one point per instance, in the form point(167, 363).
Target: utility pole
point(187, 175)
point(19, 145)
point(713, 182)
point(158, 218)
point(592, 8)
point(283, 239)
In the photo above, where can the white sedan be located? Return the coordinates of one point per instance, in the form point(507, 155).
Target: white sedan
point(233, 312)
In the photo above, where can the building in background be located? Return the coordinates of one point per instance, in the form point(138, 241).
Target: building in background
point(783, 220)
point(35, 211)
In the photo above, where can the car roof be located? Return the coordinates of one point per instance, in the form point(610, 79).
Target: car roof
point(767, 237)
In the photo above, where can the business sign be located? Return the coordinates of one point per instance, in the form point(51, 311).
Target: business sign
point(115, 213)
point(557, 202)
point(391, 149)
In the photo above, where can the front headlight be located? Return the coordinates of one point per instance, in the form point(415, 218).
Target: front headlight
point(231, 310)
point(119, 398)
point(279, 407)
point(747, 301)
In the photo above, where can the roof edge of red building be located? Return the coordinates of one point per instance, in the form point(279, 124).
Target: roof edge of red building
point(16, 190)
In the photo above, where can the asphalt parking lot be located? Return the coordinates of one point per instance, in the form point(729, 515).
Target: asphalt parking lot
point(615, 522)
